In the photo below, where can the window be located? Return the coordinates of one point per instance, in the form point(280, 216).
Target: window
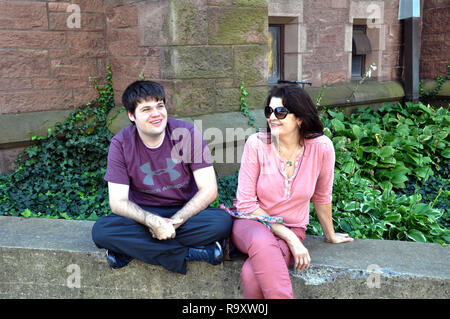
point(360, 48)
point(275, 58)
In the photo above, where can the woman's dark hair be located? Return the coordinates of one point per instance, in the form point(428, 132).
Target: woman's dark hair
point(141, 91)
point(300, 104)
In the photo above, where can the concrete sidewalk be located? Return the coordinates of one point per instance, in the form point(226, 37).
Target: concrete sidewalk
point(43, 258)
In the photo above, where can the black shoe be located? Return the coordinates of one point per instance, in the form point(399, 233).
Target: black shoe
point(116, 260)
point(212, 253)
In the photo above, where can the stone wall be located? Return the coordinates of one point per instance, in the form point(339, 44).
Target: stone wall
point(435, 46)
point(200, 50)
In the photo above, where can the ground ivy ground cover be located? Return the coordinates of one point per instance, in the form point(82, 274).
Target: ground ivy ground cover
point(391, 175)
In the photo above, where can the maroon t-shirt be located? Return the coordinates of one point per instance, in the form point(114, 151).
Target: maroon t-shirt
point(159, 176)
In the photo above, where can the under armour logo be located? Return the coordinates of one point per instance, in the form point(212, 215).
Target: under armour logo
point(147, 169)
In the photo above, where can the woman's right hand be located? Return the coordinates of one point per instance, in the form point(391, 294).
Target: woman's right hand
point(299, 253)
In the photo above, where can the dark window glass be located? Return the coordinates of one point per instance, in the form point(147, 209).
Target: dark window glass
point(275, 54)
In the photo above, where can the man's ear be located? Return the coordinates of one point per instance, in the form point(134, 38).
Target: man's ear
point(130, 116)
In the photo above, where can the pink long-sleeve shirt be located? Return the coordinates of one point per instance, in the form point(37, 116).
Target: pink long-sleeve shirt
point(263, 184)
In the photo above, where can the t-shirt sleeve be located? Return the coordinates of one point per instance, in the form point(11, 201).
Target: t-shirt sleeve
point(116, 171)
point(324, 185)
point(247, 200)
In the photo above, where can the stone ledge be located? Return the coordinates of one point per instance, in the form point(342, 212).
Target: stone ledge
point(16, 127)
point(37, 254)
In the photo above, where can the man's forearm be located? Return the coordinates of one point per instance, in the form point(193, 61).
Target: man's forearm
point(131, 210)
point(195, 205)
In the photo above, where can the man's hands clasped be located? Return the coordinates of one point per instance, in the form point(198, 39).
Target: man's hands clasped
point(165, 228)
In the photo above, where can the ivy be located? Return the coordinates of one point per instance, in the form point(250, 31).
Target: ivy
point(244, 107)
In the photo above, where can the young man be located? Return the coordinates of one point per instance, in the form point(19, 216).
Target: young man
point(160, 182)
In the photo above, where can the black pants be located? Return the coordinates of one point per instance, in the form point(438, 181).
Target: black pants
point(125, 236)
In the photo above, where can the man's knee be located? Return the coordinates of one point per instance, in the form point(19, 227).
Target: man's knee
point(99, 233)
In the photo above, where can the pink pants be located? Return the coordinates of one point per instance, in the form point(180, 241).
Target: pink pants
point(265, 272)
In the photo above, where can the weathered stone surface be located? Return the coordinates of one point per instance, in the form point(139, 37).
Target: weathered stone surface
point(23, 63)
point(152, 24)
point(250, 64)
point(86, 44)
point(193, 97)
point(23, 15)
point(197, 62)
point(32, 40)
point(16, 127)
point(237, 25)
point(39, 264)
point(35, 100)
point(122, 17)
point(175, 22)
point(187, 22)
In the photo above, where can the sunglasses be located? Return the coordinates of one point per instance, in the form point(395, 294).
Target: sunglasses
point(280, 112)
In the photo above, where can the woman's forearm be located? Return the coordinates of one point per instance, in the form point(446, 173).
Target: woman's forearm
point(279, 229)
point(324, 214)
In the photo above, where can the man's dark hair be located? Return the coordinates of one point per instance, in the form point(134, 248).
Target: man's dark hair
point(141, 91)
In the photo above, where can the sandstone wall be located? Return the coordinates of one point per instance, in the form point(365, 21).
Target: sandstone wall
point(435, 46)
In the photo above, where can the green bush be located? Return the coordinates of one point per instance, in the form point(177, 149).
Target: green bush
point(377, 153)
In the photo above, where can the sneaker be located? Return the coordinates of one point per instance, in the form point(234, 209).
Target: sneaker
point(116, 260)
point(212, 253)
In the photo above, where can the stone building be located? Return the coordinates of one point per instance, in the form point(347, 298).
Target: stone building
point(51, 52)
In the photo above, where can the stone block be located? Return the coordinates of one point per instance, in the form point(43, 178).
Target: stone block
point(250, 64)
point(23, 63)
point(23, 15)
point(74, 67)
point(251, 3)
point(122, 17)
point(220, 2)
point(286, 8)
point(35, 100)
point(333, 77)
point(231, 25)
point(8, 84)
point(152, 22)
point(187, 22)
point(128, 69)
point(32, 39)
point(196, 62)
point(193, 97)
point(95, 6)
point(16, 127)
point(86, 44)
point(174, 22)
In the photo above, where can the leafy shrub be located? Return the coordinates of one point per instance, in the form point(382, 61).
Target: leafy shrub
point(377, 154)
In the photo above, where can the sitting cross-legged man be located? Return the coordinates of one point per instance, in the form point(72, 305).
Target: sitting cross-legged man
point(160, 183)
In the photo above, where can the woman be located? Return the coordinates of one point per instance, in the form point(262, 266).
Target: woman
point(281, 172)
